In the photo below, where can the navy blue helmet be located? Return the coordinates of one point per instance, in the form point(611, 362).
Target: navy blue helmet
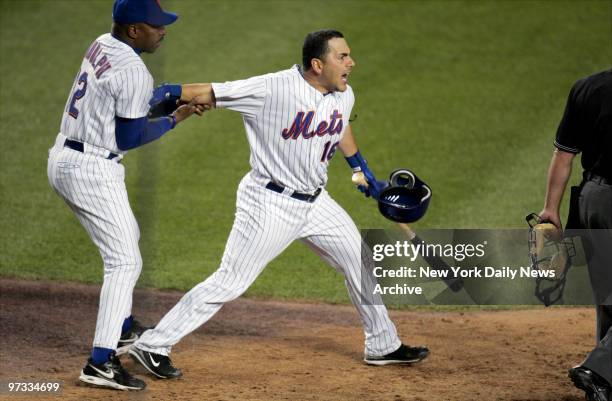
point(406, 198)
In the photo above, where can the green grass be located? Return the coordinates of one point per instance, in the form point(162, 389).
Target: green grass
point(467, 94)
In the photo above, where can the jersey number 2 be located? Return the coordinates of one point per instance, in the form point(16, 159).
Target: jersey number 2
point(329, 151)
point(79, 93)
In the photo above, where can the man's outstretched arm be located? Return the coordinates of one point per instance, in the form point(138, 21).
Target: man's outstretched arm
point(203, 92)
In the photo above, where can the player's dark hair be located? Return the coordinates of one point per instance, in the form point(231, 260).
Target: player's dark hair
point(119, 30)
point(316, 45)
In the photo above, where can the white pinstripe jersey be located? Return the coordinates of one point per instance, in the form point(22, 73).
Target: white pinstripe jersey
point(293, 129)
point(113, 81)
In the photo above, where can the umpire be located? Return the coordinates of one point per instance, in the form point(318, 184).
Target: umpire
point(587, 127)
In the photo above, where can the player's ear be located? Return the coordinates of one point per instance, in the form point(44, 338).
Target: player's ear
point(132, 31)
point(316, 65)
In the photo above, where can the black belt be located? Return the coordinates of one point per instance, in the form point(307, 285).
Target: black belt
point(296, 195)
point(80, 147)
point(597, 178)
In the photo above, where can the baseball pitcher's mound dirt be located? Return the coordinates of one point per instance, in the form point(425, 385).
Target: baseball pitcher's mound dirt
point(270, 350)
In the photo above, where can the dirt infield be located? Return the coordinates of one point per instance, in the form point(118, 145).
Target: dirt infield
point(270, 350)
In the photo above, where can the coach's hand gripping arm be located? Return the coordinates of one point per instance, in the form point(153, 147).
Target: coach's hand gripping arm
point(167, 97)
point(353, 157)
point(131, 133)
point(558, 175)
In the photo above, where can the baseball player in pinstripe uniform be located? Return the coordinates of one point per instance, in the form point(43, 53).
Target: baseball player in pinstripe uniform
point(105, 115)
point(294, 120)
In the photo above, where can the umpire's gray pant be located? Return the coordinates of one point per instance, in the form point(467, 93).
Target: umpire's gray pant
point(596, 216)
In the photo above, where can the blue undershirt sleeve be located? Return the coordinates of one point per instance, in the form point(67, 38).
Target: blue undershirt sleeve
point(132, 133)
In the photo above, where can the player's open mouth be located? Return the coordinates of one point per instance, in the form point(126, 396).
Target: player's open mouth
point(344, 77)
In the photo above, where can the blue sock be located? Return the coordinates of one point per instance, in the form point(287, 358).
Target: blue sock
point(100, 355)
point(127, 324)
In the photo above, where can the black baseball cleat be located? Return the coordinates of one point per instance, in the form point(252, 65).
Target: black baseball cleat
point(110, 374)
point(129, 337)
point(404, 354)
point(159, 365)
point(595, 387)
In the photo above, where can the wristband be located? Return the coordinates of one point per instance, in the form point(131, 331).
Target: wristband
point(357, 162)
point(173, 91)
point(172, 120)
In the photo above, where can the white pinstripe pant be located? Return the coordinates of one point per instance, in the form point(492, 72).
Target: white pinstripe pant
point(266, 223)
point(94, 188)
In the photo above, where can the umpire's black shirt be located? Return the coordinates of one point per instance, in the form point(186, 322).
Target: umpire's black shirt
point(587, 123)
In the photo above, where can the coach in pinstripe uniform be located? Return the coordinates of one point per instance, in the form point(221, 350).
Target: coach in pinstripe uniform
point(294, 120)
point(105, 115)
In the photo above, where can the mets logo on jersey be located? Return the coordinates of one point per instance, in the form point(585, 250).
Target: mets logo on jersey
point(301, 126)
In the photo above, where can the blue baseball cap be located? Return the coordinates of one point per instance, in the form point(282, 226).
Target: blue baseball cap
point(147, 11)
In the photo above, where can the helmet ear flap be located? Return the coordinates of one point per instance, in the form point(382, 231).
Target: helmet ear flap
point(402, 178)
